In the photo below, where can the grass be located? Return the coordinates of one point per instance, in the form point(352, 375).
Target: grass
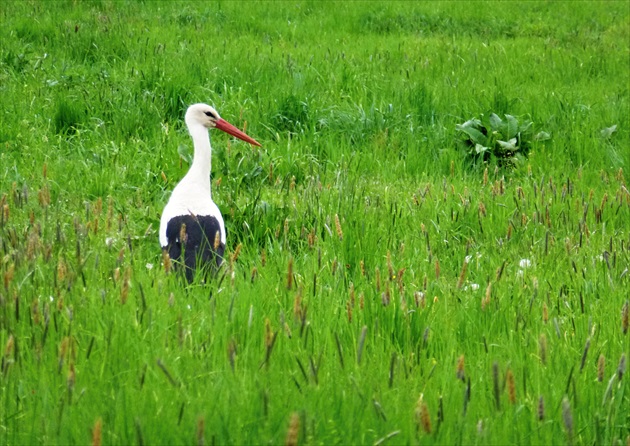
point(379, 288)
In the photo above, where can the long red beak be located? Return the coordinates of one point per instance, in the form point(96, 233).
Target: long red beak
point(222, 124)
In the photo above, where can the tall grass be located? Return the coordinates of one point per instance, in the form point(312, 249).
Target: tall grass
point(378, 289)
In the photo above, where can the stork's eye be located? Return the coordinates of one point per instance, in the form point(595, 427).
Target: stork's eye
point(209, 114)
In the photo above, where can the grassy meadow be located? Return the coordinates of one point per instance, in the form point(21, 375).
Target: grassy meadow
point(380, 287)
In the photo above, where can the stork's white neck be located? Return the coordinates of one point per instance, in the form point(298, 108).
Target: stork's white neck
point(199, 172)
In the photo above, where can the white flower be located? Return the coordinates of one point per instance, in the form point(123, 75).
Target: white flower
point(472, 286)
point(525, 263)
point(109, 241)
point(149, 266)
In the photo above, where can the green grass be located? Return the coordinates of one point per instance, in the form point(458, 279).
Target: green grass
point(356, 106)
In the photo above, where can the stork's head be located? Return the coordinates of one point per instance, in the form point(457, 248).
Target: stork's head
point(208, 117)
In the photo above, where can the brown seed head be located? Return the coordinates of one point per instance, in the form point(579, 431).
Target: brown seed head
point(183, 234)
point(349, 311)
point(624, 318)
point(462, 274)
point(601, 368)
point(166, 261)
point(236, 253)
point(423, 417)
point(61, 270)
point(268, 333)
point(293, 431)
point(8, 275)
point(511, 386)
point(460, 368)
point(338, 227)
point(96, 432)
point(486, 299)
point(217, 240)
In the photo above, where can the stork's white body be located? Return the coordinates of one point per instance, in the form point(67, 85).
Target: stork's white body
point(192, 228)
point(192, 196)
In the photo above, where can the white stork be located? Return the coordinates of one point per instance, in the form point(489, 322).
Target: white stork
point(191, 225)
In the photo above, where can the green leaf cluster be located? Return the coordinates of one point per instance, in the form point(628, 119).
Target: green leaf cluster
point(506, 140)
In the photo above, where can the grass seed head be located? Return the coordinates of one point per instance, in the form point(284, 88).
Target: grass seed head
point(437, 269)
point(511, 386)
point(461, 374)
point(293, 431)
point(352, 294)
point(268, 333)
point(217, 240)
point(97, 432)
point(423, 417)
point(482, 209)
point(8, 276)
point(166, 261)
point(61, 270)
point(44, 196)
point(624, 318)
point(183, 234)
point(486, 299)
point(601, 368)
point(35, 312)
point(338, 227)
point(235, 254)
point(462, 274)
point(545, 313)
